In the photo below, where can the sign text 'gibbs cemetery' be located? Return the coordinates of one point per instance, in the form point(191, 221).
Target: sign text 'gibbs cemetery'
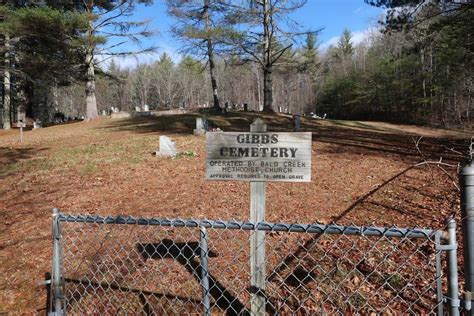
point(258, 156)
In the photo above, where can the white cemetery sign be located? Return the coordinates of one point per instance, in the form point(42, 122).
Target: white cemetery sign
point(259, 156)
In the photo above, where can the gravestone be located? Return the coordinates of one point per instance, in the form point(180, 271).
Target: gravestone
point(167, 147)
point(200, 126)
point(119, 115)
point(37, 124)
point(138, 109)
point(297, 122)
point(146, 107)
point(104, 113)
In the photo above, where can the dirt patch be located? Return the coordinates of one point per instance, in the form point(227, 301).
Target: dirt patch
point(362, 173)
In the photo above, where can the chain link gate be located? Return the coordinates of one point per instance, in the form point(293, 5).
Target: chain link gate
point(125, 265)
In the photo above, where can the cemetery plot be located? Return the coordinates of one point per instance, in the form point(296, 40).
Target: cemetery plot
point(361, 172)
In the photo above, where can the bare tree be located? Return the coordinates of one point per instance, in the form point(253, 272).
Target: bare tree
point(268, 33)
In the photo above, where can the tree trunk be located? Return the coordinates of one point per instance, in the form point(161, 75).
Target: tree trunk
point(91, 102)
point(259, 92)
point(267, 89)
point(7, 87)
point(215, 96)
point(210, 55)
point(268, 62)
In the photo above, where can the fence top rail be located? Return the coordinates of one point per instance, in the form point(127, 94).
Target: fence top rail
point(262, 226)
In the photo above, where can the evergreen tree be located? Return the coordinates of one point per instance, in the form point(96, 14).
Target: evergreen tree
point(45, 44)
point(108, 20)
point(200, 28)
point(344, 49)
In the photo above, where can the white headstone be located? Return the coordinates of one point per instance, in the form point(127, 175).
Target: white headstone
point(138, 109)
point(37, 124)
point(167, 147)
point(200, 127)
point(146, 108)
point(104, 112)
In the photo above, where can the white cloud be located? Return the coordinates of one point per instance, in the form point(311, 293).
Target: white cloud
point(132, 61)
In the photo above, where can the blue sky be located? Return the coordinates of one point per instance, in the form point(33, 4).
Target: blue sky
point(331, 15)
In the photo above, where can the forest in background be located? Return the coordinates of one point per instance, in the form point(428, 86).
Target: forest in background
point(414, 68)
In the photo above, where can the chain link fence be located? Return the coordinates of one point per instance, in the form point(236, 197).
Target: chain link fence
point(125, 265)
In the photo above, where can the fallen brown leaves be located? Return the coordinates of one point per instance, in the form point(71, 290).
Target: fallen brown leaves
point(106, 167)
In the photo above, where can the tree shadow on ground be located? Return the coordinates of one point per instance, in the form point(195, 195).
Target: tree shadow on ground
point(175, 124)
point(185, 253)
point(186, 123)
point(310, 242)
point(361, 142)
point(351, 138)
point(10, 156)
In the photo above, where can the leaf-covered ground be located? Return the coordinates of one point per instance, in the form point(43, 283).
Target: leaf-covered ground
point(362, 173)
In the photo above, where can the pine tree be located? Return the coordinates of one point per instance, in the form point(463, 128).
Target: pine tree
point(200, 28)
point(108, 20)
point(45, 43)
point(345, 49)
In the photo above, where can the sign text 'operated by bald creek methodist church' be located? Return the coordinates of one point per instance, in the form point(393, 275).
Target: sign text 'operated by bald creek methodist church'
point(258, 156)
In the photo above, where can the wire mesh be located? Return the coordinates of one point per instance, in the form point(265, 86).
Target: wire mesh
point(154, 267)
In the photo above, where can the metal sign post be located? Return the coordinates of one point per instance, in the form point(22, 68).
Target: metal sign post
point(466, 179)
point(21, 125)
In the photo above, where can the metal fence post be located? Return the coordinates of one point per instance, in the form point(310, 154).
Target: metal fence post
point(452, 254)
point(56, 279)
point(466, 179)
point(205, 270)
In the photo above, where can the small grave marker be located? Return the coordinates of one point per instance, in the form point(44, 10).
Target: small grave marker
point(167, 147)
point(200, 126)
point(37, 124)
point(297, 122)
